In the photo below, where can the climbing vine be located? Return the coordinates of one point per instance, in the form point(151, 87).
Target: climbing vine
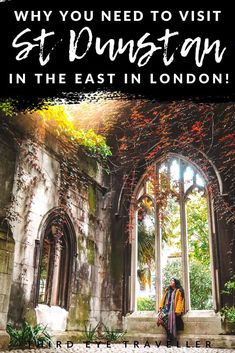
point(56, 119)
point(30, 132)
point(203, 132)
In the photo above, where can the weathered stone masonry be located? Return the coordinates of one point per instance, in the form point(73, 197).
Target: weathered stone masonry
point(92, 294)
point(99, 218)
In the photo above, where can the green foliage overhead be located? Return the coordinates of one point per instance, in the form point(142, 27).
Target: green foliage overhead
point(56, 118)
point(7, 107)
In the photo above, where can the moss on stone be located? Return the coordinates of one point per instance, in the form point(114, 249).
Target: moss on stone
point(83, 303)
point(80, 246)
point(115, 259)
point(91, 200)
point(90, 252)
point(88, 165)
point(79, 314)
point(116, 266)
point(30, 316)
point(7, 243)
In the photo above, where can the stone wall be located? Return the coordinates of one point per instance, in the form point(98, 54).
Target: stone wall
point(36, 196)
point(6, 266)
point(100, 288)
point(7, 171)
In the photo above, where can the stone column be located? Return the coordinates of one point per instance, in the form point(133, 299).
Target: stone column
point(6, 267)
point(184, 241)
point(56, 272)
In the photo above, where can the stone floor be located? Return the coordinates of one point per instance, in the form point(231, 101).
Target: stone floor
point(120, 348)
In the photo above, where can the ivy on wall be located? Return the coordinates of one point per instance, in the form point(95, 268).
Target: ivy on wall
point(50, 127)
point(202, 132)
point(56, 119)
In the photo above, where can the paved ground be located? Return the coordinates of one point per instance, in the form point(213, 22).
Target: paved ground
point(120, 348)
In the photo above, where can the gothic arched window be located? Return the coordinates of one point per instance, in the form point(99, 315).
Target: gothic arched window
point(56, 262)
point(171, 235)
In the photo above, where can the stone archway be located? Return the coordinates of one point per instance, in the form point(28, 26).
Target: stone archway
point(173, 186)
point(54, 253)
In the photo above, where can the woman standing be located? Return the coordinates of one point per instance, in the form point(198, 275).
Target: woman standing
point(171, 308)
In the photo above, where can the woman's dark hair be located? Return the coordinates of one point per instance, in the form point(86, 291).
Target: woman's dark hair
point(178, 285)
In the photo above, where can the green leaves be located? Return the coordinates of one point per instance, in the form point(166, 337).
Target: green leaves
point(230, 286)
point(29, 336)
point(197, 221)
point(146, 241)
point(112, 335)
point(200, 286)
point(7, 107)
point(145, 304)
point(228, 313)
point(60, 123)
point(90, 333)
point(200, 282)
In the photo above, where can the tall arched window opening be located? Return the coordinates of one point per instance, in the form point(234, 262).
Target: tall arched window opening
point(56, 262)
point(171, 235)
